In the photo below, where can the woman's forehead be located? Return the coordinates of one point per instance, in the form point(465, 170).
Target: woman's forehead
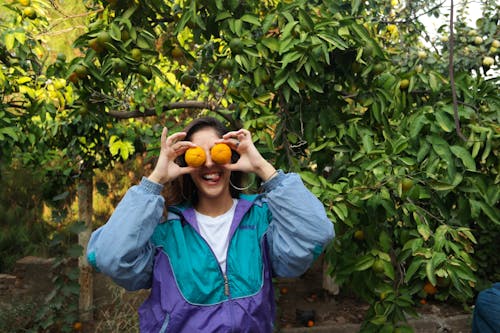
point(206, 134)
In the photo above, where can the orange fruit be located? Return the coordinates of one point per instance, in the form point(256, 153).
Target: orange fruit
point(310, 323)
point(195, 157)
point(430, 289)
point(177, 52)
point(30, 12)
point(136, 54)
point(77, 326)
point(221, 153)
point(404, 84)
point(423, 301)
point(378, 266)
point(284, 290)
point(406, 185)
point(359, 235)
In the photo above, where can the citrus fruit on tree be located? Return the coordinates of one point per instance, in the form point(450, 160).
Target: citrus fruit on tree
point(378, 266)
point(359, 235)
point(119, 65)
point(430, 289)
point(25, 2)
point(443, 281)
point(177, 52)
point(136, 54)
point(95, 45)
point(77, 326)
point(220, 153)
point(81, 71)
point(29, 12)
point(104, 37)
point(226, 64)
point(236, 45)
point(404, 84)
point(145, 71)
point(378, 68)
point(406, 185)
point(195, 157)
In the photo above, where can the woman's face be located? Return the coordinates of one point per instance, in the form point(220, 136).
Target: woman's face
point(211, 179)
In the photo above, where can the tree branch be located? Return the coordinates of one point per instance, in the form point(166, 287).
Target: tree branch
point(171, 106)
point(452, 76)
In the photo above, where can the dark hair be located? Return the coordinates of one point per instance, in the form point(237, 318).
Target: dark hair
point(183, 188)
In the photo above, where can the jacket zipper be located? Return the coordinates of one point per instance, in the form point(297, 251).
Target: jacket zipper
point(226, 285)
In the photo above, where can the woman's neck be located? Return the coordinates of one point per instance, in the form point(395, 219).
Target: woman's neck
point(214, 206)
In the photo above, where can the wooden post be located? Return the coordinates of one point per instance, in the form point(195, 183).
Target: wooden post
point(85, 212)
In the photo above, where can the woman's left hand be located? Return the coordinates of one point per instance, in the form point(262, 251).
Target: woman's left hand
point(250, 158)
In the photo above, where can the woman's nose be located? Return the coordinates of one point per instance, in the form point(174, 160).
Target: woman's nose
point(208, 161)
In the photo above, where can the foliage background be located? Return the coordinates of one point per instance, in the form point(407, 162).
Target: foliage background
point(355, 96)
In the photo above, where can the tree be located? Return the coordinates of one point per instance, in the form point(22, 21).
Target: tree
point(345, 93)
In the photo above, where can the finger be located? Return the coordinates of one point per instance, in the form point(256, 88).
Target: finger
point(232, 134)
point(181, 146)
point(164, 133)
point(233, 143)
point(175, 137)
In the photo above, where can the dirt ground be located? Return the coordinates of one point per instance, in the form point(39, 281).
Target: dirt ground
point(305, 295)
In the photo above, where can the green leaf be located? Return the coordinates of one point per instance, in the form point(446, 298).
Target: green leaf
point(355, 7)
point(444, 121)
point(271, 43)
point(9, 41)
point(413, 268)
point(379, 320)
point(341, 210)
point(363, 263)
point(10, 131)
point(389, 270)
point(250, 19)
point(465, 156)
point(310, 177)
point(222, 16)
point(75, 251)
point(333, 40)
point(305, 20)
point(290, 57)
point(417, 123)
point(429, 271)
point(433, 82)
point(492, 212)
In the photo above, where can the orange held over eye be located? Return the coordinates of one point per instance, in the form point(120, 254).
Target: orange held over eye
point(195, 157)
point(221, 153)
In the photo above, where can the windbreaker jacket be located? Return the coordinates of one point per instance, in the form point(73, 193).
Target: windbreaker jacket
point(277, 233)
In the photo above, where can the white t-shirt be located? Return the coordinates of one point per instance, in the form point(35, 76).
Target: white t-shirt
point(215, 231)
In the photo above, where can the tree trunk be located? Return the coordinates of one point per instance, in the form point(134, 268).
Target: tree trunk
point(329, 281)
point(85, 212)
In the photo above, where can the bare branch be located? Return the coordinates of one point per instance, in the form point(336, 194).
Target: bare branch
point(171, 106)
point(452, 76)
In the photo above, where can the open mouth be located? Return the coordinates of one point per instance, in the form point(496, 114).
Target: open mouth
point(212, 177)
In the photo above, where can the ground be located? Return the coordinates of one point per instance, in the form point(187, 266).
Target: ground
point(298, 298)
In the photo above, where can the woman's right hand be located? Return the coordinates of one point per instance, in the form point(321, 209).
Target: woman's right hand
point(171, 147)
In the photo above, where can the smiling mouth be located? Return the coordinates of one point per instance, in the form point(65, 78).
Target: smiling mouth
point(212, 177)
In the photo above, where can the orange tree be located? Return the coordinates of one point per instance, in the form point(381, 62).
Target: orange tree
point(341, 92)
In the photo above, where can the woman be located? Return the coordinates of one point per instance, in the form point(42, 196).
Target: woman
point(210, 262)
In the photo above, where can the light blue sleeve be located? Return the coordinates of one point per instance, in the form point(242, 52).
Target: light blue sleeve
point(299, 229)
point(122, 248)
